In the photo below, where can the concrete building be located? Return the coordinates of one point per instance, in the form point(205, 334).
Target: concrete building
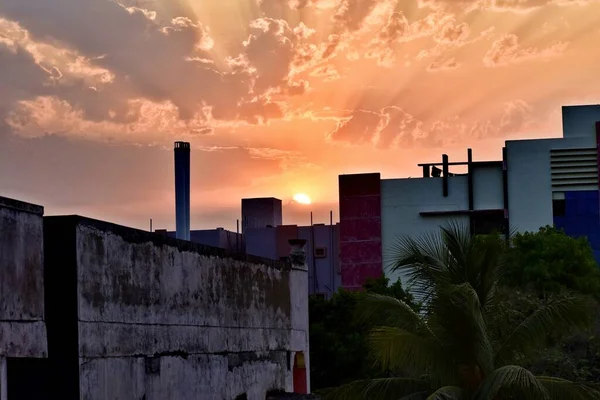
point(131, 314)
point(322, 251)
point(261, 213)
point(219, 237)
point(265, 236)
point(556, 180)
point(23, 338)
point(537, 183)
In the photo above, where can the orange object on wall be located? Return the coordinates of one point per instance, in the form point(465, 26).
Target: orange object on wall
point(300, 385)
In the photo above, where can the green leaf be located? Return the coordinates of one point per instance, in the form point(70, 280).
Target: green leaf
point(381, 389)
point(448, 393)
point(561, 389)
point(395, 348)
point(388, 311)
point(512, 381)
point(557, 316)
point(457, 313)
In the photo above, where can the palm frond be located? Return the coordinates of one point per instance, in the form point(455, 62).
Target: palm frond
point(459, 243)
point(512, 381)
point(462, 326)
point(448, 393)
point(381, 389)
point(449, 256)
point(416, 396)
point(382, 310)
point(561, 389)
point(395, 348)
point(558, 316)
point(422, 260)
point(489, 260)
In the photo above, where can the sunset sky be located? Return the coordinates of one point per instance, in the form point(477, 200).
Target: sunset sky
point(277, 97)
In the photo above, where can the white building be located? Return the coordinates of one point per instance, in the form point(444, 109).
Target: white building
point(538, 182)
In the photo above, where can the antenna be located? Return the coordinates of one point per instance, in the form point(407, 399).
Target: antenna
point(150, 224)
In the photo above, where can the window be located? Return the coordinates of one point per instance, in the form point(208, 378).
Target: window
point(320, 252)
point(558, 207)
point(488, 222)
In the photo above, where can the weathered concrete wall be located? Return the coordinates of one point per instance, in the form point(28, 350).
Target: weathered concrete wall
point(159, 318)
point(299, 315)
point(22, 327)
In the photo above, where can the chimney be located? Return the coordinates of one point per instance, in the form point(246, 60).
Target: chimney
point(182, 190)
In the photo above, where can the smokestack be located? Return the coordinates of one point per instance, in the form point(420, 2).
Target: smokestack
point(182, 190)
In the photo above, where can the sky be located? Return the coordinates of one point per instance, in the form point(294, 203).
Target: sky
point(276, 97)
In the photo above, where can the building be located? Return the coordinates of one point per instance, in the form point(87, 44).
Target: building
point(265, 236)
point(261, 212)
point(131, 314)
point(219, 237)
point(555, 181)
point(23, 334)
point(322, 251)
point(537, 183)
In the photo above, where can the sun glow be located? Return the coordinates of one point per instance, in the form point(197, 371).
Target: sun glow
point(302, 198)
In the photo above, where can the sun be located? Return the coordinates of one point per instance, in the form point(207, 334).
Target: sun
point(302, 198)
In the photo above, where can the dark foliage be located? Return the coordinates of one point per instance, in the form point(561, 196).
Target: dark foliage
point(338, 341)
point(549, 261)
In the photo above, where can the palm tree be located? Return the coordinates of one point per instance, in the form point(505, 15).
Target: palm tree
point(446, 350)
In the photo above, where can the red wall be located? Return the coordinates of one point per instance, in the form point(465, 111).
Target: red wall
point(360, 229)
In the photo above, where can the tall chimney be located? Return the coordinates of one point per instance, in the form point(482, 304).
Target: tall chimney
point(182, 190)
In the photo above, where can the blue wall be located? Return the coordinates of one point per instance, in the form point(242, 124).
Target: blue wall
point(582, 217)
point(261, 242)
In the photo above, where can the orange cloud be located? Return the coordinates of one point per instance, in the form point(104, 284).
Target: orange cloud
point(507, 50)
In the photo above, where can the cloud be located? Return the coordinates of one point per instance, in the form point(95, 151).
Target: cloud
point(517, 115)
point(450, 31)
point(444, 65)
point(501, 6)
point(507, 50)
point(393, 127)
point(318, 4)
point(103, 73)
point(47, 115)
point(350, 14)
point(357, 128)
point(328, 72)
point(445, 31)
